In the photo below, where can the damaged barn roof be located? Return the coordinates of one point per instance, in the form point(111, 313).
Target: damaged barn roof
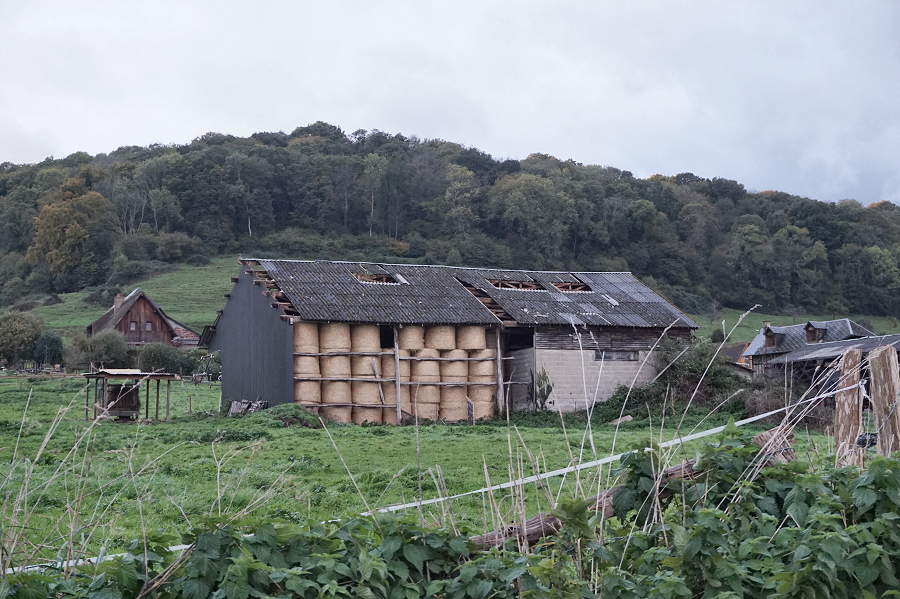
point(412, 294)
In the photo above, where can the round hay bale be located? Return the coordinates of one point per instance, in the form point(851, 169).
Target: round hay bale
point(425, 411)
point(411, 336)
point(365, 337)
point(425, 394)
point(454, 414)
point(390, 395)
point(485, 367)
point(454, 372)
point(490, 338)
point(482, 393)
point(335, 366)
point(341, 414)
point(387, 365)
point(440, 337)
point(471, 337)
point(425, 370)
point(453, 400)
point(483, 410)
point(361, 414)
point(307, 392)
point(306, 337)
point(389, 416)
point(334, 336)
point(365, 393)
point(363, 365)
point(306, 366)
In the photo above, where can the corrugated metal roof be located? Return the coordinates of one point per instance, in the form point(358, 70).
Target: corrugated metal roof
point(330, 291)
point(834, 349)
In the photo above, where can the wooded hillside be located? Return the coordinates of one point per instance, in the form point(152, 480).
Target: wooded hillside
point(98, 221)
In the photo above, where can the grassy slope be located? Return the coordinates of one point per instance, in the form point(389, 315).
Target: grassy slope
point(191, 294)
point(181, 486)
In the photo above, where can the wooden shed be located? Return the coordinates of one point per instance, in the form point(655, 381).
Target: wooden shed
point(117, 393)
point(143, 321)
point(384, 342)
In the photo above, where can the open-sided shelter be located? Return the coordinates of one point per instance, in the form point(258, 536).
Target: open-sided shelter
point(142, 321)
point(378, 342)
point(117, 393)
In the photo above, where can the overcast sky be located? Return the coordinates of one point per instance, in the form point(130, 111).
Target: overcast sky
point(794, 96)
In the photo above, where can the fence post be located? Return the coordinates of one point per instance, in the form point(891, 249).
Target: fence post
point(847, 411)
point(885, 387)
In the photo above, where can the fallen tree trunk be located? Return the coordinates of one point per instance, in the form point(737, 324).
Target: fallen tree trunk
point(775, 446)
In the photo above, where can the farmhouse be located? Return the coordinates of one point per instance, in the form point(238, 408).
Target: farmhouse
point(142, 321)
point(772, 342)
point(383, 342)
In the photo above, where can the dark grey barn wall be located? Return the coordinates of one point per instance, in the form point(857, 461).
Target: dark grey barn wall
point(255, 345)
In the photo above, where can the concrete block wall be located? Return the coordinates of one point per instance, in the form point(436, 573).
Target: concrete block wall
point(518, 371)
point(570, 371)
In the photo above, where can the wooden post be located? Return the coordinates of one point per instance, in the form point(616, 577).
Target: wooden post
point(168, 393)
point(96, 385)
point(885, 387)
point(847, 411)
point(190, 402)
point(397, 375)
point(87, 399)
point(157, 400)
point(147, 401)
point(501, 400)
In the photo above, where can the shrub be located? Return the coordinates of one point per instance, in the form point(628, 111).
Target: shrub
point(161, 357)
point(18, 333)
point(48, 348)
point(106, 349)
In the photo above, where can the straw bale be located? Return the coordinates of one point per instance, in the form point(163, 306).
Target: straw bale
point(389, 416)
point(341, 414)
point(307, 392)
point(363, 365)
point(306, 366)
point(366, 414)
point(455, 372)
point(335, 392)
point(471, 337)
point(387, 365)
point(306, 337)
point(425, 411)
point(365, 337)
point(335, 366)
point(334, 336)
point(390, 395)
point(453, 398)
point(481, 393)
point(427, 371)
point(486, 368)
point(425, 394)
point(483, 409)
point(454, 414)
point(440, 337)
point(411, 336)
point(365, 393)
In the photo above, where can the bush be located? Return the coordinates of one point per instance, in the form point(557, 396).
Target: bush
point(18, 333)
point(162, 357)
point(48, 348)
point(106, 349)
point(103, 295)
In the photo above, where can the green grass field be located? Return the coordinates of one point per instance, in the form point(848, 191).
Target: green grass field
point(170, 475)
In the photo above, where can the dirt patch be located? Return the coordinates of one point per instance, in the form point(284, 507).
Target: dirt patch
point(290, 421)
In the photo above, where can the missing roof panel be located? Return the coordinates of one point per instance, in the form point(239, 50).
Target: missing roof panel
point(527, 285)
point(381, 279)
point(569, 287)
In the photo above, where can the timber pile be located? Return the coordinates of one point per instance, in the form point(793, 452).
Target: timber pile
point(546, 525)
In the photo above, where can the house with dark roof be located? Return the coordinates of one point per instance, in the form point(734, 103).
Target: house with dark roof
point(772, 343)
point(142, 321)
point(384, 342)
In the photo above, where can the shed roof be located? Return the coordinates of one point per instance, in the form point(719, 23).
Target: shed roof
point(792, 337)
point(112, 316)
point(129, 373)
point(333, 291)
point(834, 349)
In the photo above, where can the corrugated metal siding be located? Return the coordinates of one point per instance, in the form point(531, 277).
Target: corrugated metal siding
point(255, 345)
point(329, 291)
point(602, 338)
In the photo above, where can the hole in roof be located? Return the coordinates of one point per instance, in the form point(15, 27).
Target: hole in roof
point(526, 285)
point(382, 279)
point(570, 287)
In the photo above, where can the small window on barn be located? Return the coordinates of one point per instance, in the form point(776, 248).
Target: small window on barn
point(615, 356)
point(568, 286)
point(376, 278)
point(148, 326)
point(133, 326)
point(526, 285)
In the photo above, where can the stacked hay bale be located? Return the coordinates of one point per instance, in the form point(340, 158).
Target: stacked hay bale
point(425, 399)
point(366, 396)
point(334, 337)
point(453, 399)
point(306, 341)
point(389, 388)
point(483, 371)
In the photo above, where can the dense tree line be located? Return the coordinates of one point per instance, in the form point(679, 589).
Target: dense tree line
point(88, 221)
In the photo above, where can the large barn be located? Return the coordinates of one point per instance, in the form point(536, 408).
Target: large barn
point(383, 342)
